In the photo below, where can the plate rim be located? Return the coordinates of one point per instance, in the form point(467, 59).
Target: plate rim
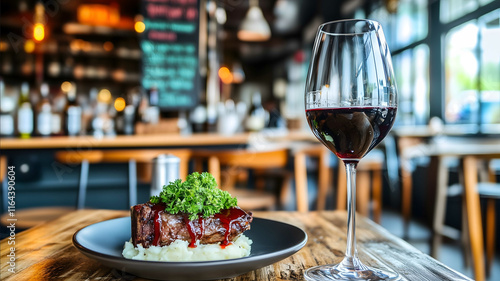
point(250, 258)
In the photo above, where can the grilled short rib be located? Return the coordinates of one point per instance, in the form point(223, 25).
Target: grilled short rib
point(153, 226)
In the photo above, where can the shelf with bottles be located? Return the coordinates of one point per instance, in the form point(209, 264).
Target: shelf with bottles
point(65, 54)
point(90, 37)
point(53, 110)
point(58, 68)
point(77, 17)
point(107, 48)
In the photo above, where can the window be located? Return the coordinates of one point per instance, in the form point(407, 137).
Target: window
point(405, 31)
point(407, 26)
point(411, 23)
point(484, 2)
point(453, 9)
point(489, 75)
point(461, 68)
point(463, 45)
point(412, 74)
point(472, 71)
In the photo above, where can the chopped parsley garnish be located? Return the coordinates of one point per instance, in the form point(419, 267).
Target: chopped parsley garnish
point(198, 194)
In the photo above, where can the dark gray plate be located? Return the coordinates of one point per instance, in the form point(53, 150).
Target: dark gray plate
point(272, 242)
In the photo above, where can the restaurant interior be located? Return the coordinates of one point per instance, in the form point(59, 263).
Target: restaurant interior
point(102, 99)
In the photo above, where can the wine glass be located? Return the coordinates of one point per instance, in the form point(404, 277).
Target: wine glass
point(350, 100)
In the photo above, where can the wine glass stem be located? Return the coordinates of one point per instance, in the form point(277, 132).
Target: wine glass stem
point(351, 252)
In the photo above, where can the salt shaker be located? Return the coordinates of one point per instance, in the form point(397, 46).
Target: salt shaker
point(165, 170)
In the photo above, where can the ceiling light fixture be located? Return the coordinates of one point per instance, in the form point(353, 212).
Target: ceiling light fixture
point(254, 26)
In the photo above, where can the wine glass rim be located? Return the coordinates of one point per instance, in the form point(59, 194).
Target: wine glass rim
point(376, 24)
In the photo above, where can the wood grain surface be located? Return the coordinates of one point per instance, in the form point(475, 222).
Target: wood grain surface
point(46, 252)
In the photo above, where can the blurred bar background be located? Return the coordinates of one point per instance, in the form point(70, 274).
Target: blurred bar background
point(92, 77)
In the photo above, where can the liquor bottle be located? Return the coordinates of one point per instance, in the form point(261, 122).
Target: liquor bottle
point(56, 120)
point(129, 117)
point(198, 117)
point(44, 112)
point(99, 119)
point(72, 114)
point(119, 106)
point(25, 113)
point(154, 96)
point(229, 121)
point(91, 111)
point(256, 118)
point(7, 106)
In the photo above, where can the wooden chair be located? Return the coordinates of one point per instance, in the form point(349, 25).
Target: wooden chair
point(404, 144)
point(300, 155)
point(475, 183)
point(140, 164)
point(369, 170)
point(226, 167)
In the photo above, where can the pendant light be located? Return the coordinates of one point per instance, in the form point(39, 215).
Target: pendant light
point(254, 26)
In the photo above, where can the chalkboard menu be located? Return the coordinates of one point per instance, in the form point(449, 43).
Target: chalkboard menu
point(170, 52)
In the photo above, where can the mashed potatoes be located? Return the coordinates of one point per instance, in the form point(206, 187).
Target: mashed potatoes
point(179, 251)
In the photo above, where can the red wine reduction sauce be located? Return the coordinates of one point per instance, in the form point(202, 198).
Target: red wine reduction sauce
point(227, 218)
point(157, 210)
point(195, 232)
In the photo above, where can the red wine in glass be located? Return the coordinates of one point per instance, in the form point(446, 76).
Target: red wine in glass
point(350, 103)
point(351, 132)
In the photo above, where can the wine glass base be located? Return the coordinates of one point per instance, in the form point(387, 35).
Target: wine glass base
point(339, 272)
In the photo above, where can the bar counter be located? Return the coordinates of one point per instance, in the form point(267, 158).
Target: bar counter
point(156, 140)
point(159, 140)
point(46, 252)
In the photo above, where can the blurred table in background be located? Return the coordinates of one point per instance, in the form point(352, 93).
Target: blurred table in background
point(460, 148)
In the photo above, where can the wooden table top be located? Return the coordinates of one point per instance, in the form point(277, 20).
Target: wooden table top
point(46, 252)
point(454, 147)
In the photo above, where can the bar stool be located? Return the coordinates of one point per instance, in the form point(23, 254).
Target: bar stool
point(225, 166)
point(140, 164)
point(300, 154)
point(83, 159)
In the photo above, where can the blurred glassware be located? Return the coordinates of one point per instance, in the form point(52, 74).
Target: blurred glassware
point(256, 119)
point(25, 113)
point(44, 112)
point(7, 108)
